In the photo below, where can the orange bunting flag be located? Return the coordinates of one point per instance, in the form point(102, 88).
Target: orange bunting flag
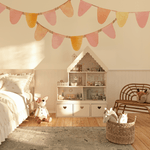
point(109, 31)
point(93, 38)
point(2, 8)
point(15, 16)
point(142, 18)
point(40, 33)
point(31, 19)
point(76, 42)
point(57, 39)
point(102, 14)
point(67, 9)
point(51, 17)
point(83, 7)
point(121, 18)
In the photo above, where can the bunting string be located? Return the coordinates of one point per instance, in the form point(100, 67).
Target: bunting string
point(31, 18)
point(102, 14)
point(76, 41)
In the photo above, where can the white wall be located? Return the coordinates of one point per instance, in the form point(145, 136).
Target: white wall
point(130, 50)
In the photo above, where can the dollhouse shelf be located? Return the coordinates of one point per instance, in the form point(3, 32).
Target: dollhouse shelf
point(88, 97)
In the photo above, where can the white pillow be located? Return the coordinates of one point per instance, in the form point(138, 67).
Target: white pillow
point(15, 84)
point(1, 83)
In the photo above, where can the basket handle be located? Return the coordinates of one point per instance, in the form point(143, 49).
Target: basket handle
point(135, 119)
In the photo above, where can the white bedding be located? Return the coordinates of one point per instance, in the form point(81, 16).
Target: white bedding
point(13, 110)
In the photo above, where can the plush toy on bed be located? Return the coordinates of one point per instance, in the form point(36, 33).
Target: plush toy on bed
point(41, 112)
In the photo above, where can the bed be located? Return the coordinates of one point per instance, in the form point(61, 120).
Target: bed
point(16, 98)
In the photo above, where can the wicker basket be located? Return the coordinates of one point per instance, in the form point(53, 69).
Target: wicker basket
point(121, 133)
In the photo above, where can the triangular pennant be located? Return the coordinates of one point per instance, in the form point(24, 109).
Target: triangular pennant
point(93, 38)
point(40, 32)
point(121, 18)
point(102, 14)
point(83, 7)
point(109, 30)
point(31, 19)
point(51, 17)
point(76, 42)
point(2, 8)
point(57, 39)
point(142, 18)
point(15, 16)
point(67, 9)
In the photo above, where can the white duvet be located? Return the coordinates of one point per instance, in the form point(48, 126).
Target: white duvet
point(13, 110)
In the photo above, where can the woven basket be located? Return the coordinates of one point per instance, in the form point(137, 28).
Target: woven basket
point(121, 133)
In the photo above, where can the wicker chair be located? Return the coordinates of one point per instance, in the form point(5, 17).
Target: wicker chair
point(126, 101)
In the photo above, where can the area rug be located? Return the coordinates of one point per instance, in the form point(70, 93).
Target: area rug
point(60, 138)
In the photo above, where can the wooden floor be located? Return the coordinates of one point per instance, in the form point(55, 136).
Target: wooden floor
point(142, 126)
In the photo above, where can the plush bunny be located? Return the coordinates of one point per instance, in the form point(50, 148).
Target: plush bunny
point(41, 112)
point(110, 115)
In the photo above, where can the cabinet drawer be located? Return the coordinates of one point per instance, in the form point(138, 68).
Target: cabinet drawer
point(97, 110)
point(64, 110)
point(81, 110)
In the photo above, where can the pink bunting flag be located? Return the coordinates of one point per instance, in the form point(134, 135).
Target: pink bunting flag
point(51, 17)
point(40, 32)
point(83, 7)
point(15, 16)
point(109, 30)
point(57, 39)
point(142, 18)
point(2, 8)
point(93, 38)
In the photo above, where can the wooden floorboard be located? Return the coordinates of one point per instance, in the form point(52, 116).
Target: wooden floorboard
point(142, 126)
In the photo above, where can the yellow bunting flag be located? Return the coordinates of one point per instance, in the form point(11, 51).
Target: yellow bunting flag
point(121, 18)
point(102, 15)
point(31, 19)
point(76, 42)
point(67, 9)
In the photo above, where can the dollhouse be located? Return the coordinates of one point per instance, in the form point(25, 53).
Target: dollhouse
point(84, 95)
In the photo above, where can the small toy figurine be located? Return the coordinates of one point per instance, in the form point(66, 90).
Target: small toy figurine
point(41, 112)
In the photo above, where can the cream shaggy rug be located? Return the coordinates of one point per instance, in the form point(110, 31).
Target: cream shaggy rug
point(60, 138)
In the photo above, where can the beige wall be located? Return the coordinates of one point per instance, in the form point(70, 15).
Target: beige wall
point(130, 50)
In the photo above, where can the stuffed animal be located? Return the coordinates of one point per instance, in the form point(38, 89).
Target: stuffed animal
point(148, 96)
point(41, 112)
point(123, 118)
point(110, 115)
point(141, 96)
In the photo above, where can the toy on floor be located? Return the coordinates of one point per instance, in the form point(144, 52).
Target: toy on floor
point(113, 117)
point(41, 112)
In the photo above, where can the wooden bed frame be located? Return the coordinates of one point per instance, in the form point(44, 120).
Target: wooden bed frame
point(32, 85)
point(126, 100)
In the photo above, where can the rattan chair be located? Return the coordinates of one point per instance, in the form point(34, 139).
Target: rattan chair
point(127, 100)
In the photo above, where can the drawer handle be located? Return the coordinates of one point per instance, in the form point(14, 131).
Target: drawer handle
point(99, 107)
point(64, 107)
point(81, 107)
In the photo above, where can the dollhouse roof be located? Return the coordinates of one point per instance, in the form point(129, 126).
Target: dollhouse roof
point(82, 54)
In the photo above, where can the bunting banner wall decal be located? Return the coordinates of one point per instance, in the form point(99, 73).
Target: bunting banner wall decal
point(76, 41)
point(40, 32)
point(15, 16)
point(142, 18)
point(102, 14)
point(31, 18)
point(2, 8)
point(83, 7)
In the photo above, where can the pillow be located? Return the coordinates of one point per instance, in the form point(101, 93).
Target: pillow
point(1, 83)
point(2, 77)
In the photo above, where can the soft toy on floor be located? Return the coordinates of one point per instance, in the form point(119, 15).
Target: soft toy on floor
point(41, 112)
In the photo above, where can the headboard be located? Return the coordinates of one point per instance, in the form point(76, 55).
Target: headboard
point(20, 71)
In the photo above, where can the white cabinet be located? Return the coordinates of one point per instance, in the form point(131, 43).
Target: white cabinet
point(97, 110)
point(81, 110)
point(85, 92)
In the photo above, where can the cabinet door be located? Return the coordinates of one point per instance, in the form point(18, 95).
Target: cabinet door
point(64, 110)
point(97, 110)
point(81, 110)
